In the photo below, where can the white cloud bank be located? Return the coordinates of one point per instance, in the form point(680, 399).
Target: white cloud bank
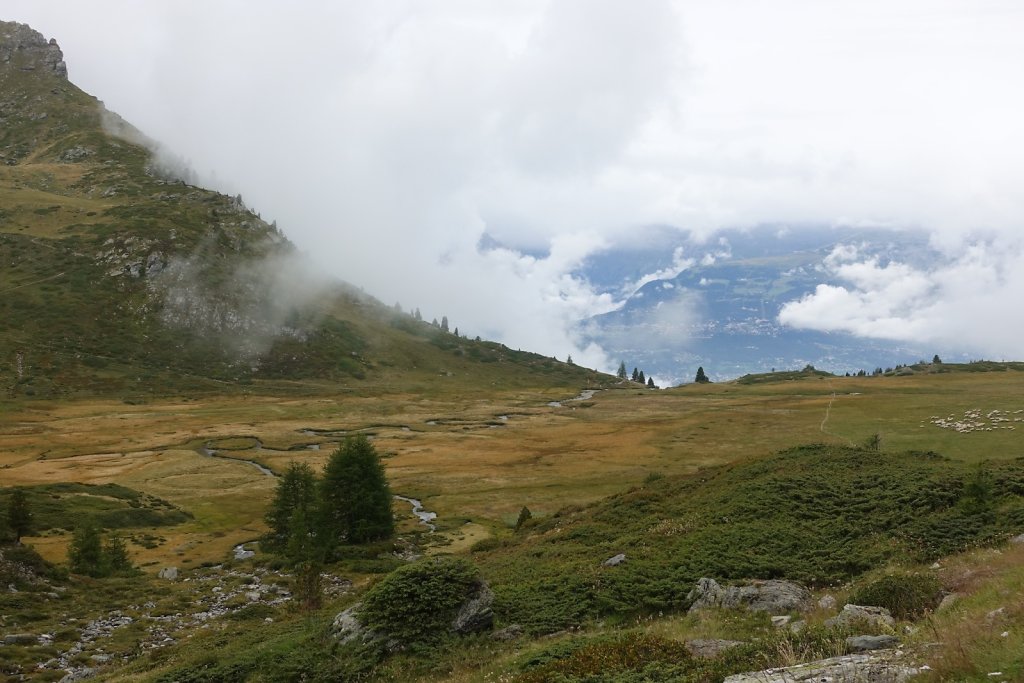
point(969, 301)
point(387, 137)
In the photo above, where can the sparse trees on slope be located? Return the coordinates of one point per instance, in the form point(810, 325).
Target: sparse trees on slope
point(355, 501)
point(91, 555)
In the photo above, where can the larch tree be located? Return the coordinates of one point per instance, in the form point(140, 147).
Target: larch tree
point(355, 500)
point(296, 490)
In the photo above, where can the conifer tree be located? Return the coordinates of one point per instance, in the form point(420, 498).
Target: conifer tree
point(444, 323)
point(19, 514)
point(85, 554)
point(621, 372)
point(296, 490)
point(701, 378)
point(636, 375)
point(650, 383)
point(355, 501)
point(640, 378)
point(115, 559)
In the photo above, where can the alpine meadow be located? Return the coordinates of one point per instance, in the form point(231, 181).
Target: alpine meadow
point(219, 463)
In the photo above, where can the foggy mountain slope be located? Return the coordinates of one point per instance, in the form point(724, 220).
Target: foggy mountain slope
point(118, 273)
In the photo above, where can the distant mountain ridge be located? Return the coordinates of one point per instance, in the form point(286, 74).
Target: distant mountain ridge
point(716, 304)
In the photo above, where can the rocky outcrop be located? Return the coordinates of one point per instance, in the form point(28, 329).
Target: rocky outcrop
point(862, 668)
point(871, 643)
point(773, 596)
point(26, 49)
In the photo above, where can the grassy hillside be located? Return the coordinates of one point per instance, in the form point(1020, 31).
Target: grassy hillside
point(121, 276)
point(820, 515)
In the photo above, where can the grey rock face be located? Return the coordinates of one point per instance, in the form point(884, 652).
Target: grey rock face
point(777, 597)
point(862, 615)
point(28, 50)
point(870, 643)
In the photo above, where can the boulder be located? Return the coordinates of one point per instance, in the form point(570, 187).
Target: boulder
point(169, 573)
point(1017, 540)
point(614, 561)
point(706, 649)
point(774, 596)
point(827, 602)
point(347, 627)
point(21, 639)
point(475, 614)
point(870, 643)
point(866, 616)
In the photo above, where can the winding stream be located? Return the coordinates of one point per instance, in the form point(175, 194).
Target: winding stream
point(426, 517)
point(585, 395)
point(213, 453)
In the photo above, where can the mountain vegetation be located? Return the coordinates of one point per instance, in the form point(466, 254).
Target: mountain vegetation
point(199, 467)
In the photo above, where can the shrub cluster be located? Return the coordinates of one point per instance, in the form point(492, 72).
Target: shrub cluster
point(906, 596)
point(417, 602)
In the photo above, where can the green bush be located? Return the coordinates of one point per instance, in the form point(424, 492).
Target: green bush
point(907, 596)
point(418, 601)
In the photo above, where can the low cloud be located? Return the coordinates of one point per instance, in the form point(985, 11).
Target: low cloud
point(969, 299)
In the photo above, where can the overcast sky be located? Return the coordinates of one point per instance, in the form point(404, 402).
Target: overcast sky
point(387, 138)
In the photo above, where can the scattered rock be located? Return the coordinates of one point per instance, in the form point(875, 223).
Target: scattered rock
point(870, 643)
point(995, 614)
point(169, 573)
point(827, 602)
point(864, 616)
point(862, 668)
point(947, 601)
point(510, 632)
point(710, 648)
point(760, 596)
point(78, 675)
point(614, 561)
point(781, 621)
point(1017, 540)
